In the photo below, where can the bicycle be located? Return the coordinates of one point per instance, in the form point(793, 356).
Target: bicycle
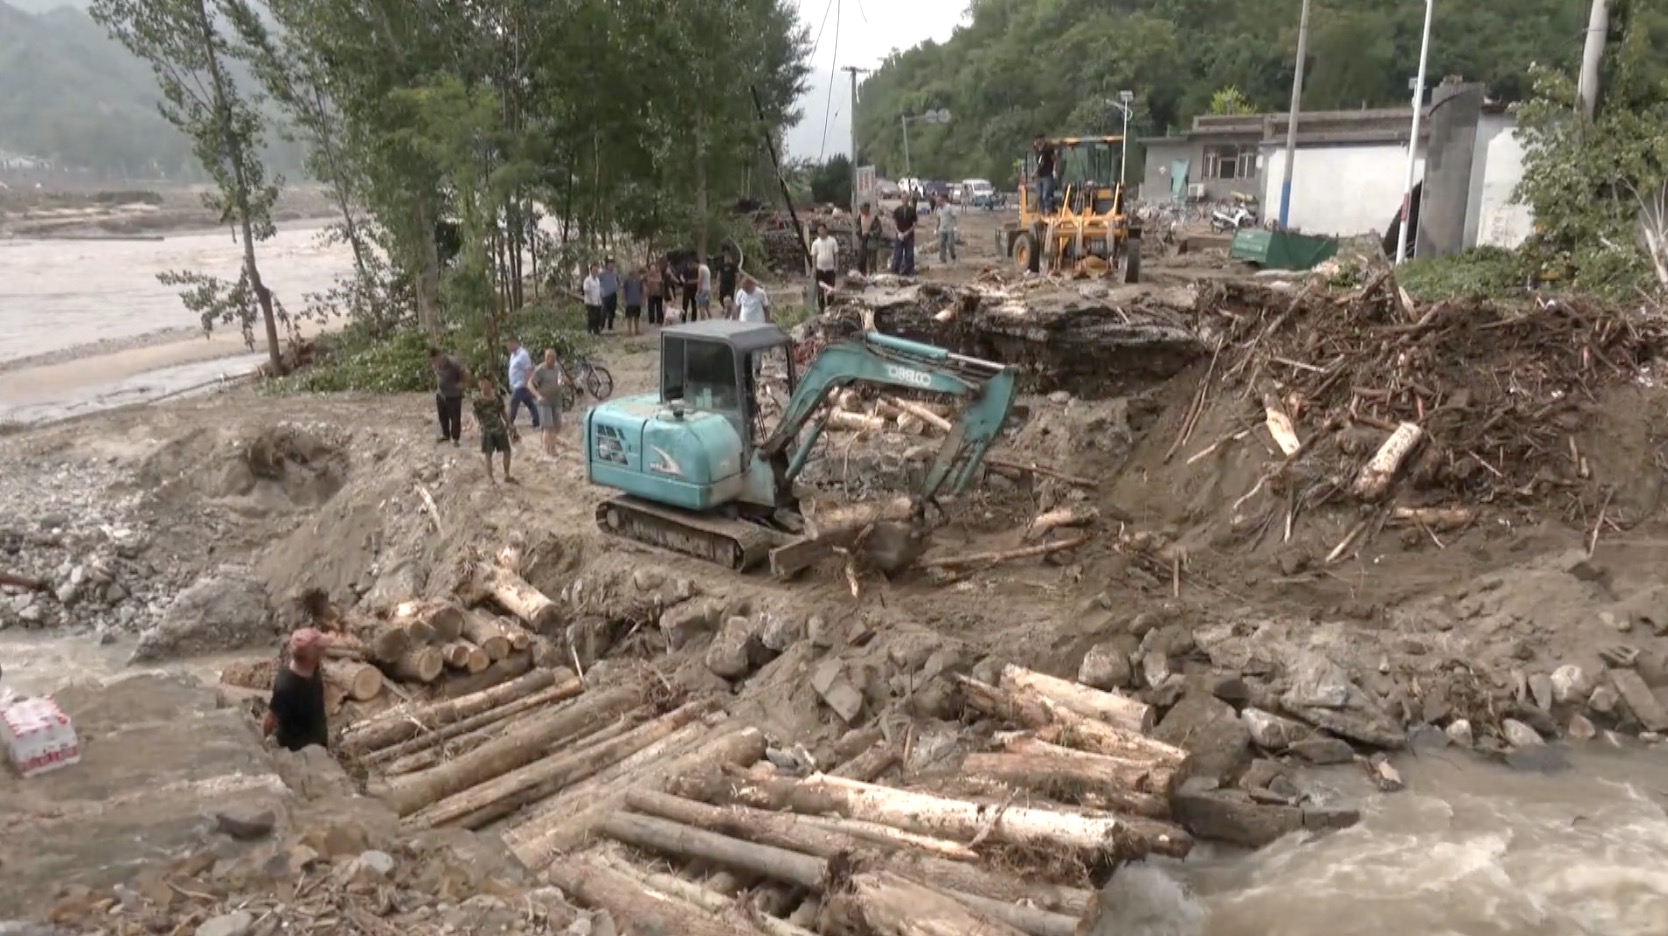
point(598, 382)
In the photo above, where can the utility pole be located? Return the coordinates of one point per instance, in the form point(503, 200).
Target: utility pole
point(854, 72)
point(1592, 56)
point(1291, 119)
point(1413, 140)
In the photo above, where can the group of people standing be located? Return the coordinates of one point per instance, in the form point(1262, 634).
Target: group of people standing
point(539, 388)
point(651, 287)
point(905, 221)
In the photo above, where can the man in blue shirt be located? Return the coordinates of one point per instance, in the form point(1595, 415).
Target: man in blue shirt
point(521, 376)
point(610, 293)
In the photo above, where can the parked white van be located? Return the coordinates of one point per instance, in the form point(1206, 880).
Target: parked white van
point(979, 193)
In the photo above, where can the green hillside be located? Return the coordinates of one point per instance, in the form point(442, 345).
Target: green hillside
point(1024, 67)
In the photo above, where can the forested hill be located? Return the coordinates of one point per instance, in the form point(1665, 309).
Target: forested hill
point(71, 94)
point(1024, 67)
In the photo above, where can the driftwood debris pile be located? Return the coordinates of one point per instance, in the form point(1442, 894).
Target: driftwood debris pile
point(600, 794)
point(1424, 412)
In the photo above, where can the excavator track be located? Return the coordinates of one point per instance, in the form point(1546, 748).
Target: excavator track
point(734, 543)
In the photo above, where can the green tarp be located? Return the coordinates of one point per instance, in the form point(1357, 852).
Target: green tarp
point(1278, 250)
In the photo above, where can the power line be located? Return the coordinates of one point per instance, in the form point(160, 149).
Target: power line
point(828, 106)
point(826, 9)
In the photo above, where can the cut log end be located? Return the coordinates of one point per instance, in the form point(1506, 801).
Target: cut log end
point(419, 664)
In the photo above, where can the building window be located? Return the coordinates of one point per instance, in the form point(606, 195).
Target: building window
point(1230, 162)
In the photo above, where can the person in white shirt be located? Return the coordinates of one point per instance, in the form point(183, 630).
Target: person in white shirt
point(752, 303)
point(825, 262)
point(703, 291)
point(592, 288)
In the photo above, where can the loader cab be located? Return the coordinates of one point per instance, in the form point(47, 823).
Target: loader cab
point(1088, 177)
point(719, 366)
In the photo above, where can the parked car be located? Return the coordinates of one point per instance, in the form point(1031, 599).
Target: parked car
point(980, 193)
point(934, 189)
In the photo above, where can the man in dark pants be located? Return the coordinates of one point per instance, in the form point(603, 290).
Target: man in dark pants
point(1046, 167)
point(450, 378)
point(868, 238)
point(296, 713)
point(729, 272)
point(610, 293)
point(903, 249)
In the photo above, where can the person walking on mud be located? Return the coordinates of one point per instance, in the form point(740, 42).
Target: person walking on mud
point(450, 378)
point(296, 713)
point(547, 386)
point(496, 432)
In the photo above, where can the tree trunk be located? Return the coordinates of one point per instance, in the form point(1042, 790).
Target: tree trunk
point(1057, 725)
point(886, 905)
point(585, 880)
point(503, 795)
point(418, 664)
point(361, 682)
point(703, 219)
point(428, 277)
point(511, 668)
point(409, 721)
point(1123, 711)
point(535, 841)
point(1092, 835)
point(483, 723)
point(870, 765)
point(443, 619)
point(521, 744)
point(463, 655)
point(483, 631)
point(671, 838)
point(514, 595)
point(934, 861)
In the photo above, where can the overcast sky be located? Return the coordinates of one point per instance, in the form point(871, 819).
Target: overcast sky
point(860, 33)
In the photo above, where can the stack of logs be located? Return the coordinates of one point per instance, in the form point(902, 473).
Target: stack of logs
point(430, 647)
point(1006, 843)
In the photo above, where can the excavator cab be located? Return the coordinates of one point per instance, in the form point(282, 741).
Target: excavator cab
point(1085, 228)
point(714, 366)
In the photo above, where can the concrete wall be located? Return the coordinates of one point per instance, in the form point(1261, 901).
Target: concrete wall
point(1500, 222)
point(1445, 202)
point(1155, 182)
point(1339, 190)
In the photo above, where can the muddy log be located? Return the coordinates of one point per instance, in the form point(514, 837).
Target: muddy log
point(919, 858)
point(1130, 337)
point(672, 838)
point(836, 528)
point(1058, 782)
point(418, 664)
point(477, 806)
point(884, 904)
point(552, 695)
point(250, 674)
point(703, 897)
point(484, 631)
point(25, 582)
point(463, 655)
point(639, 910)
point(1057, 725)
point(360, 682)
point(815, 835)
point(1380, 471)
point(444, 619)
point(1140, 774)
point(1093, 835)
point(1123, 711)
point(510, 668)
point(398, 724)
point(512, 593)
point(522, 742)
point(536, 841)
point(388, 641)
point(870, 765)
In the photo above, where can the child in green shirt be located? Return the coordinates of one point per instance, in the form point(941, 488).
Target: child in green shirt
point(492, 417)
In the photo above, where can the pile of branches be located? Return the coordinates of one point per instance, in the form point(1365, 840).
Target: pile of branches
point(1490, 399)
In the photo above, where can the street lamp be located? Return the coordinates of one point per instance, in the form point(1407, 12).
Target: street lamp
point(1413, 140)
point(939, 116)
point(1123, 104)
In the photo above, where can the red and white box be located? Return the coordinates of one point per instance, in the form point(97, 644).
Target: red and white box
point(38, 737)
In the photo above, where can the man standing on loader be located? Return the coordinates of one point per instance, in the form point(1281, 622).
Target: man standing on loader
point(1047, 159)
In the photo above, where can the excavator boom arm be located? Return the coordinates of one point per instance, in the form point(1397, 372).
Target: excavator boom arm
point(987, 390)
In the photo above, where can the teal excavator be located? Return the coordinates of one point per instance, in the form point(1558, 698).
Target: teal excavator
point(698, 471)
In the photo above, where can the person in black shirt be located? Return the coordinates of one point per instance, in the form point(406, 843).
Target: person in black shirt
point(903, 249)
point(1046, 168)
point(296, 714)
point(729, 271)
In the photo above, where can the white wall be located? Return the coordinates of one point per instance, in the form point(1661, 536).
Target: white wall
point(1340, 190)
point(1500, 223)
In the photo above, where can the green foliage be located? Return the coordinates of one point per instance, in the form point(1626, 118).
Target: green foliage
point(362, 359)
point(831, 181)
point(1587, 180)
point(1229, 102)
point(1025, 67)
point(1476, 273)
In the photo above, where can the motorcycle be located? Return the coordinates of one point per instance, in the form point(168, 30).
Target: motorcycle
point(1238, 216)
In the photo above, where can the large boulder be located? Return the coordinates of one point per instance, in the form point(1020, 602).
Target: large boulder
point(1211, 731)
point(1323, 695)
point(228, 609)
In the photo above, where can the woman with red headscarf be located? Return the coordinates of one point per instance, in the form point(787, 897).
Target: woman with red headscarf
point(297, 713)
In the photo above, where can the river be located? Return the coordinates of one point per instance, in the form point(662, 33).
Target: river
point(1468, 849)
point(104, 332)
